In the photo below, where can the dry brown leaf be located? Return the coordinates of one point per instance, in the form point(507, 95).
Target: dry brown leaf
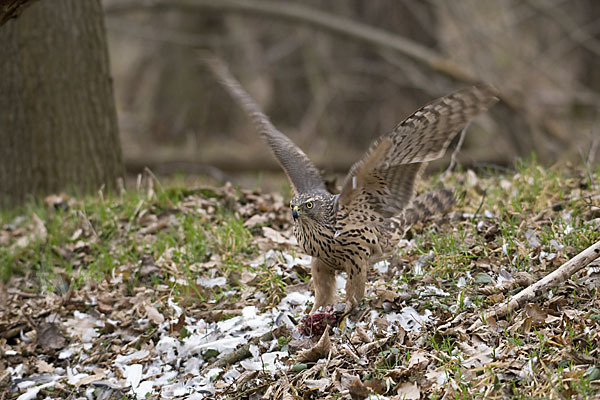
point(407, 391)
point(360, 336)
point(418, 360)
point(355, 386)
point(92, 378)
point(277, 237)
point(369, 347)
point(319, 350)
point(155, 227)
point(153, 314)
point(43, 367)
point(256, 219)
point(317, 384)
point(49, 337)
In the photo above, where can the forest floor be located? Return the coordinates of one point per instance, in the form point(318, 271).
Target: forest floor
point(202, 293)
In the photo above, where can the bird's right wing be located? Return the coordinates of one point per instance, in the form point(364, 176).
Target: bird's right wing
point(382, 182)
point(301, 172)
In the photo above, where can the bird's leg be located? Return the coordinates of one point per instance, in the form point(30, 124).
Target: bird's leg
point(324, 281)
point(355, 284)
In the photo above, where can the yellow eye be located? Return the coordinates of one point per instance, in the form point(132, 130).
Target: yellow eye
point(309, 204)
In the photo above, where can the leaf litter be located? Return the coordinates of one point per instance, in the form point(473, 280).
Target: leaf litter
point(228, 318)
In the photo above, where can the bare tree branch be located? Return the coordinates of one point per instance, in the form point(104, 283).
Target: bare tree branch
point(302, 14)
point(10, 9)
point(569, 26)
point(299, 13)
point(548, 282)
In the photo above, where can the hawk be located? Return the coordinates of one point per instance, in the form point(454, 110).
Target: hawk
point(363, 224)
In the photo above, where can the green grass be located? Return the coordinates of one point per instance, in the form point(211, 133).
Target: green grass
point(94, 237)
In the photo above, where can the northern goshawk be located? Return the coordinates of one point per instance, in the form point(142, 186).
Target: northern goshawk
point(363, 224)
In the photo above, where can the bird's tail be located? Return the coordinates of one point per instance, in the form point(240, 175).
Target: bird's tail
point(426, 205)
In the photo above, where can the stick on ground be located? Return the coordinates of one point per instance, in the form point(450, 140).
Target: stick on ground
point(548, 282)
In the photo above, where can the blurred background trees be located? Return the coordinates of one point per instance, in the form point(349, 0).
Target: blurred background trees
point(335, 74)
point(333, 92)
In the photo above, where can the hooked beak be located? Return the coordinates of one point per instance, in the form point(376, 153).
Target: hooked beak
point(295, 212)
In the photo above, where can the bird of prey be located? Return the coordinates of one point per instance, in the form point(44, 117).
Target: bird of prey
point(363, 224)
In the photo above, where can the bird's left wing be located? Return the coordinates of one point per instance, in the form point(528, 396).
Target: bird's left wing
point(382, 182)
point(301, 172)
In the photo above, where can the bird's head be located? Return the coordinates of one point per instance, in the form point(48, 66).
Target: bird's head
point(312, 207)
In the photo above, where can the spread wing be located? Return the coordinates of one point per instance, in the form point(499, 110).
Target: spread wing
point(302, 173)
point(383, 181)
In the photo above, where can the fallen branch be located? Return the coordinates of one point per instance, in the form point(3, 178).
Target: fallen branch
point(548, 282)
point(239, 354)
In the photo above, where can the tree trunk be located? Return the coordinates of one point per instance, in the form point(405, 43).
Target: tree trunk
point(58, 124)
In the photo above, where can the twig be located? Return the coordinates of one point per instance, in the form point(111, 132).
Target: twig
point(352, 344)
point(480, 205)
point(239, 354)
point(548, 282)
point(89, 223)
point(23, 294)
point(149, 172)
point(461, 139)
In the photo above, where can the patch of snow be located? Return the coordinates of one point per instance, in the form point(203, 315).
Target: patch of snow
point(211, 282)
point(557, 246)
point(382, 266)
point(480, 226)
point(176, 389)
point(409, 319)
point(66, 353)
point(254, 350)
point(133, 375)
point(138, 355)
point(231, 375)
point(505, 249)
point(144, 389)
point(527, 370)
point(273, 256)
point(73, 377)
point(32, 393)
point(268, 361)
point(297, 260)
point(192, 366)
point(421, 262)
point(197, 343)
point(174, 306)
point(439, 376)
point(169, 347)
point(430, 289)
point(547, 256)
point(532, 239)
point(295, 299)
point(260, 296)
